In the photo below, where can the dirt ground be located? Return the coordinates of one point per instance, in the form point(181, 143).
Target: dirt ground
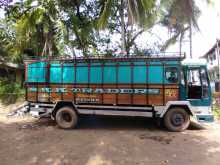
point(104, 141)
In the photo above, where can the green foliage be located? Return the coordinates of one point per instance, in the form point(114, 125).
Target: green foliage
point(51, 27)
point(216, 104)
point(10, 91)
point(106, 13)
point(38, 27)
point(178, 16)
point(7, 40)
point(142, 13)
point(81, 22)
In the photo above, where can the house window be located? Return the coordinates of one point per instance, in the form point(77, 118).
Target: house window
point(214, 56)
point(211, 60)
point(216, 74)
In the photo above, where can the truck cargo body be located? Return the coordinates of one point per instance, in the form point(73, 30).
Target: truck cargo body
point(116, 86)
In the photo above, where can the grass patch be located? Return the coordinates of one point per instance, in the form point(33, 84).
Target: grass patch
point(216, 110)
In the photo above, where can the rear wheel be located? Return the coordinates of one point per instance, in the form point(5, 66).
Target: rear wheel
point(177, 119)
point(66, 118)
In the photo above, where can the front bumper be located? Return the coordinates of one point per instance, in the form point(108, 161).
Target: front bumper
point(205, 118)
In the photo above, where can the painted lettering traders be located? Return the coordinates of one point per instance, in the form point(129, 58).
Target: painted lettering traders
point(97, 90)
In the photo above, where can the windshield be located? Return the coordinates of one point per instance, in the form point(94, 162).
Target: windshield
point(197, 83)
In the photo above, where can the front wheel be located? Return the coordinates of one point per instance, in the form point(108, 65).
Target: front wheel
point(66, 118)
point(177, 119)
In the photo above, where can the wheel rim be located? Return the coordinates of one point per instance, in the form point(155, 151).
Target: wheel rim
point(178, 119)
point(66, 117)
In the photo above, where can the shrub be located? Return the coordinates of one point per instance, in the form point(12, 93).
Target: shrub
point(10, 91)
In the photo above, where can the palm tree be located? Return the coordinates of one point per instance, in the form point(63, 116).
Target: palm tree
point(141, 13)
point(146, 13)
point(180, 16)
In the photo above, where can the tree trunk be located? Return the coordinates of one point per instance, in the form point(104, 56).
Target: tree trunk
point(129, 40)
point(122, 17)
point(50, 49)
point(50, 37)
point(40, 39)
point(44, 48)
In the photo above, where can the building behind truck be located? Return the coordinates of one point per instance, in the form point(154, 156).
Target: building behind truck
point(213, 65)
point(166, 87)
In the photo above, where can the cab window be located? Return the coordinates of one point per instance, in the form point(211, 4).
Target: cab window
point(171, 74)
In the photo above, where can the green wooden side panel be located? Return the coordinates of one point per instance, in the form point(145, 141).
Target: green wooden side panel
point(124, 74)
point(55, 73)
point(82, 74)
point(96, 74)
point(155, 63)
point(68, 73)
point(65, 73)
point(172, 62)
point(140, 74)
point(96, 64)
point(110, 74)
point(36, 72)
point(139, 63)
point(156, 74)
point(124, 63)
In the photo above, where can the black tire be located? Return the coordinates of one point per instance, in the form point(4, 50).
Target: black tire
point(66, 118)
point(177, 119)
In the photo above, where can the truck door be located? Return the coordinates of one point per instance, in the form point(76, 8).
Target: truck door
point(198, 87)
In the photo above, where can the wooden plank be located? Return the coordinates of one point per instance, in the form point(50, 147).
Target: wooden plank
point(109, 98)
point(124, 98)
point(136, 99)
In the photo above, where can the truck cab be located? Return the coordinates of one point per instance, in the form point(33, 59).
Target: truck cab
point(195, 88)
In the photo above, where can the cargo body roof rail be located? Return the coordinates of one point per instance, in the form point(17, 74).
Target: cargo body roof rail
point(115, 57)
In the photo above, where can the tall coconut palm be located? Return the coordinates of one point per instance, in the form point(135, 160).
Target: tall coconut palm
point(180, 16)
point(141, 13)
point(148, 12)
